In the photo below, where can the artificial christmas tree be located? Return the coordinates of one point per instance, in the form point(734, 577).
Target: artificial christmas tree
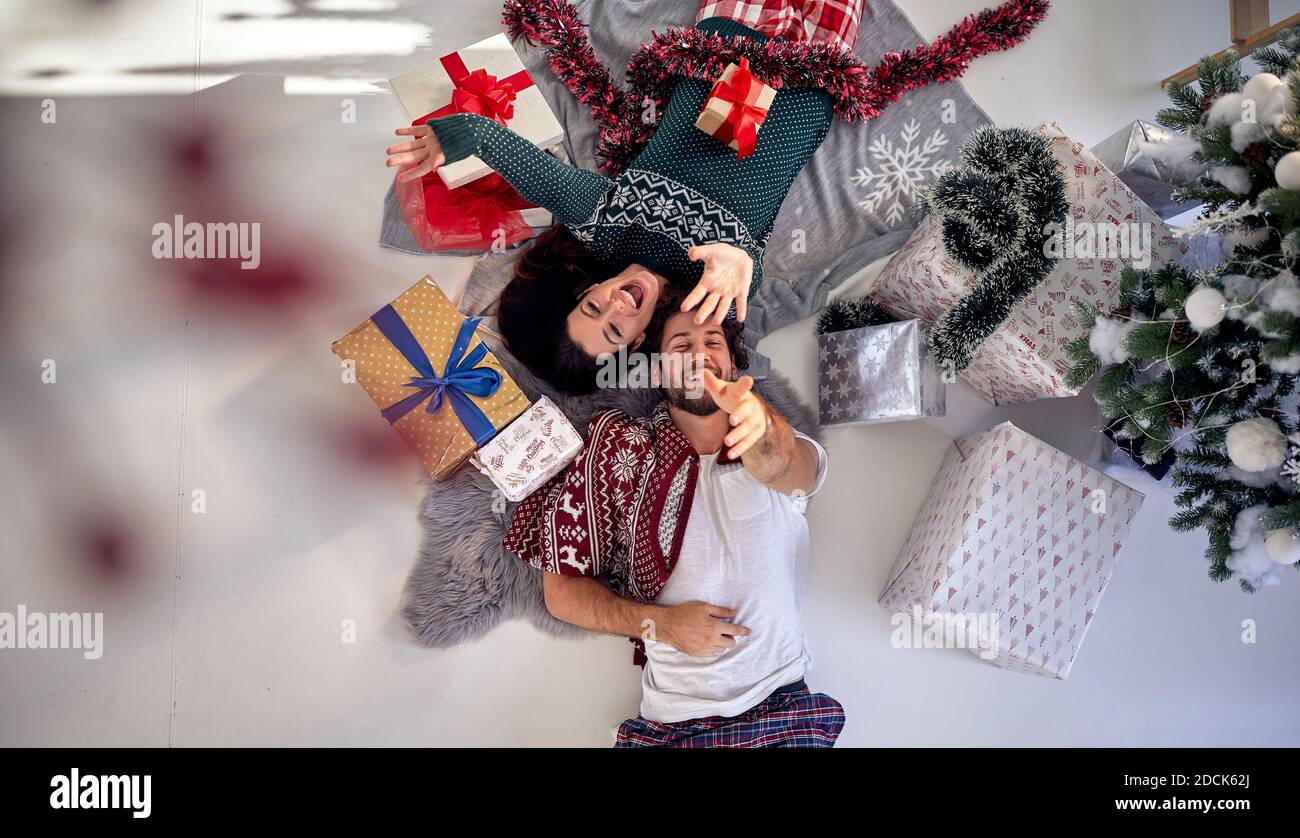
point(1205, 364)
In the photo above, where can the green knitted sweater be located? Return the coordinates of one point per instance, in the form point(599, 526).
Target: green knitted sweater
point(685, 188)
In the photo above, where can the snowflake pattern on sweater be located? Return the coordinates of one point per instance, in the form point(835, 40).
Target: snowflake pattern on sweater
point(684, 188)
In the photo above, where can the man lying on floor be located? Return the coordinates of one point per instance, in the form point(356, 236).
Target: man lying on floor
point(655, 531)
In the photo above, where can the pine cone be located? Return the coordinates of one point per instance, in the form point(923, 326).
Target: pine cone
point(1124, 312)
point(1177, 413)
point(1256, 154)
point(1207, 101)
point(1182, 332)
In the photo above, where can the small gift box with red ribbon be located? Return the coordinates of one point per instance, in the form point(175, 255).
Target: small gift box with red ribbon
point(433, 378)
point(486, 78)
point(736, 108)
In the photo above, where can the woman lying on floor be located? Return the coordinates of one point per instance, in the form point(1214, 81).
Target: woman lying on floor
point(687, 210)
point(686, 204)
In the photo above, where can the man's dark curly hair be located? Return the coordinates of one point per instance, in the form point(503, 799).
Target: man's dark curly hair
point(670, 301)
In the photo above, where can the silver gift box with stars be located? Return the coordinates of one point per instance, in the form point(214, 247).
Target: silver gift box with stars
point(877, 374)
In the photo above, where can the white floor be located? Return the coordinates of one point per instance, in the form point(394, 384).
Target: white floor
point(226, 626)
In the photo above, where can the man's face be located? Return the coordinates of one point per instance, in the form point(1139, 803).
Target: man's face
point(686, 349)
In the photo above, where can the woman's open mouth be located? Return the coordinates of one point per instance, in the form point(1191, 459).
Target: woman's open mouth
point(634, 293)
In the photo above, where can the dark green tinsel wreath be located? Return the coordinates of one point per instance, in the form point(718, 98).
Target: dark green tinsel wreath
point(995, 213)
point(842, 315)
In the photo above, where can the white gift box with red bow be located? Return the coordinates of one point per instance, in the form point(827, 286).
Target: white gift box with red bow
point(503, 86)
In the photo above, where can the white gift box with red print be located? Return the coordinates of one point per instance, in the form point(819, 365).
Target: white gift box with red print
point(487, 78)
point(1020, 539)
point(529, 451)
point(1025, 358)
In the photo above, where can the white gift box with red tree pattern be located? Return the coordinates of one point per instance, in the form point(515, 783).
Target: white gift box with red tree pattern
point(1021, 533)
point(1025, 358)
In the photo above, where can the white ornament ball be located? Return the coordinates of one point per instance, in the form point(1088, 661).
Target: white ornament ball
point(1274, 107)
point(1287, 172)
point(1256, 444)
point(1205, 308)
point(1259, 86)
point(1283, 547)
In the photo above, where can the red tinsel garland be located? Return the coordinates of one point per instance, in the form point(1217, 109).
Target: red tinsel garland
point(626, 121)
point(555, 25)
point(998, 28)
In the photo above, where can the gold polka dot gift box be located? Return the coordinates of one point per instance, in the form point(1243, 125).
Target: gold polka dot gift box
point(434, 380)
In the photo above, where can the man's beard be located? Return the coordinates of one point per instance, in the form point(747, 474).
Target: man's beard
point(691, 396)
point(698, 402)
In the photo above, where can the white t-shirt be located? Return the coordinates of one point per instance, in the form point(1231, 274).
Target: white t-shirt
point(745, 547)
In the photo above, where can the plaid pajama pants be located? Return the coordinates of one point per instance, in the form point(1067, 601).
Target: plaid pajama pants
point(791, 717)
point(836, 21)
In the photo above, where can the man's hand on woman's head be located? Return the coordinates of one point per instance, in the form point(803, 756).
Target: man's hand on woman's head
point(728, 271)
point(424, 151)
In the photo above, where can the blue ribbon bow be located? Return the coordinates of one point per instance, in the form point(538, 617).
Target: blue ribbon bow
point(462, 378)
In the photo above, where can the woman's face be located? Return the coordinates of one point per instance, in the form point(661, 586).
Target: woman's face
point(616, 312)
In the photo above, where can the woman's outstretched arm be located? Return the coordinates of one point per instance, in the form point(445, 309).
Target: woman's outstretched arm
point(570, 193)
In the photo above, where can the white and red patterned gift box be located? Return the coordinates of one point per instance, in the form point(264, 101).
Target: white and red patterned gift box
point(1025, 359)
point(529, 451)
point(1018, 538)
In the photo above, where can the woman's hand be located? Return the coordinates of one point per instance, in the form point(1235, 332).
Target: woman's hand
point(728, 270)
point(424, 151)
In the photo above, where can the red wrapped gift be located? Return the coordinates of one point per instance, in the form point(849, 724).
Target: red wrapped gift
point(736, 108)
point(480, 215)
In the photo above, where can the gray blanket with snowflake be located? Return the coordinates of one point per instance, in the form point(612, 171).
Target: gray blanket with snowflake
point(853, 203)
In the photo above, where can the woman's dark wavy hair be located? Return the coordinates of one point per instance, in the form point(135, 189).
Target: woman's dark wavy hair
point(550, 276)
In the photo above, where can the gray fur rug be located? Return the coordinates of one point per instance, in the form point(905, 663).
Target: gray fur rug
point(464, 582)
